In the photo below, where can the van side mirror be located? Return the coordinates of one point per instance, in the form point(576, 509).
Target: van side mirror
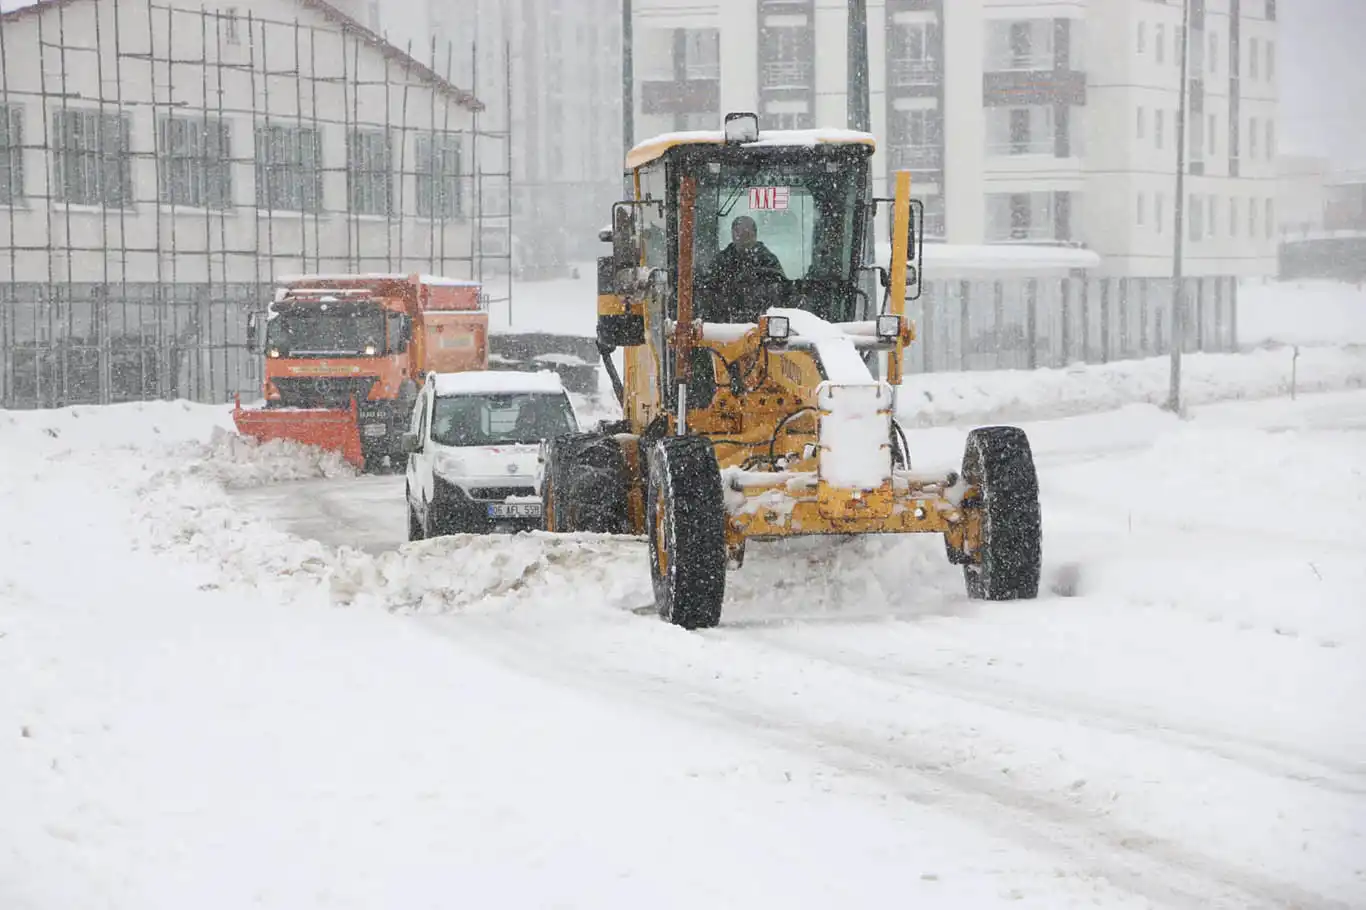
point(409, 444)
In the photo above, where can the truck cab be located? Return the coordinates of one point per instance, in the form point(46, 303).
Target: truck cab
point(472, 450)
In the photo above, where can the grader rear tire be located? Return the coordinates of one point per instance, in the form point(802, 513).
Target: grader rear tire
point(999, 462)
point(686, 522)
point(584, 487)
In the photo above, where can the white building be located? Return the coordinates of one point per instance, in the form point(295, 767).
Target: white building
point(1022, 120)
point(564, 99)
point(224, 145)
point(160, 164)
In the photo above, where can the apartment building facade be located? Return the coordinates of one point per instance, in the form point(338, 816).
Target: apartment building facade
point(1022, 121)
point(562, 108)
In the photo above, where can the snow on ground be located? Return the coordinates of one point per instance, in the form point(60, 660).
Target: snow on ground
point(221, 707)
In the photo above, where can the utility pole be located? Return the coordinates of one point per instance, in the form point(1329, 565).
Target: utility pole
point(1178, 271)
point(859, 107)
point(628, 91)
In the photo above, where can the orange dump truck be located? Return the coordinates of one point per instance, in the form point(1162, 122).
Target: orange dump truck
point(345, 356)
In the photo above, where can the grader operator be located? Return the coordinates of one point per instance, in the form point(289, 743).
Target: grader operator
point(759, 382)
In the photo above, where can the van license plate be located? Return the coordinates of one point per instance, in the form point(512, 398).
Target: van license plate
point(515, 510)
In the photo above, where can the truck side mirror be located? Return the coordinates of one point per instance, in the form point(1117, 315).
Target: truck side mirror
point(252, 331)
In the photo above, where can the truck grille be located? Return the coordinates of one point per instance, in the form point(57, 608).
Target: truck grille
point(322, 391)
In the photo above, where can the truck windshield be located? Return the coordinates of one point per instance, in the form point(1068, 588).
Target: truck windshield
point(500, 418)
point(346, 330)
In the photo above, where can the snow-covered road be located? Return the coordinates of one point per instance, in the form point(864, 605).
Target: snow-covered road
point(193, 720)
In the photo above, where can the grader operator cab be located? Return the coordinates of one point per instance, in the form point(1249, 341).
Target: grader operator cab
point(760, 374)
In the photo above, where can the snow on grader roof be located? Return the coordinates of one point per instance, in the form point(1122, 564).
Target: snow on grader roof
point(479, 382)
point(652, 148)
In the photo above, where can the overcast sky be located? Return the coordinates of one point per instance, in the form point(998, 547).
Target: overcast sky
point(1322, 70)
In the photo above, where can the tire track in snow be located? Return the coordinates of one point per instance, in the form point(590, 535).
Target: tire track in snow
point(1158, 869)
point(1277, 759)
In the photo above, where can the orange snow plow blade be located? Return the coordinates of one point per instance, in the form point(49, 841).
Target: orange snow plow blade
point(335, 431)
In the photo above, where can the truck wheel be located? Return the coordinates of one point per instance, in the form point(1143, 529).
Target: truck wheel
point(686, 522)
point(998, 461)
point(584, 487)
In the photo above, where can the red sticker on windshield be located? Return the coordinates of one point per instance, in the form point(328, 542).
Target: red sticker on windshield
point(768, 198)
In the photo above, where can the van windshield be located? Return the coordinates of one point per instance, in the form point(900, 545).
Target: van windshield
point(500, 418)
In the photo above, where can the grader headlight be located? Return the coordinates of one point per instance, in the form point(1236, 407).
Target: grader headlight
point(777, 329)
point(888, 327)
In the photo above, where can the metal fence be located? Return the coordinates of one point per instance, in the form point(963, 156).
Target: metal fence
point(1026, 324)
point(92, 343)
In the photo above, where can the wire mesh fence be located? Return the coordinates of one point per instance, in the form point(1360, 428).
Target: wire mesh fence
point(160, 166)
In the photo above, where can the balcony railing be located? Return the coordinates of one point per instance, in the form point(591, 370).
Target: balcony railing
point(1046, 146)
point(696, 71)
point(908, 73)
point(1021, 63)
point(917, 157)
point(787, 74)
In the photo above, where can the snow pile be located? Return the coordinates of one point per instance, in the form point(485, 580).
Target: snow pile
point(237, 461)
point(1301, 312)
point(937, 399)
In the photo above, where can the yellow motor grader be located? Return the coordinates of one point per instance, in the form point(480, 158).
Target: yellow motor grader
point(760, 374)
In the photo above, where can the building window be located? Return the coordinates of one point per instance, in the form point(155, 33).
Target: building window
point(1195, 217)
point(1021, 216)
point(1213, 53)
point(1160, 42)
point(196, 162)
point(913, 54)
point(1270, 60)
point(11, 154)
point(1233, 216)
point(1252, 218)
point(1252, 58)
point(92, 158)
point(1270, 138)
point(787, 56)
point(1252, 137)
point(1213, 134)
point(1159, 123)
point(786, 120)
point(1141, 211)
point(1159, 217)
point(934, 217)
point(232, 32)
point(701, 54)
point(1021, 130)
point(1142, 37)
point(917, 139)
point(438, 176)
point(1020, 46)
point(369, 172)
point(1141, 123)
point(1270, 218)
point(289, 174)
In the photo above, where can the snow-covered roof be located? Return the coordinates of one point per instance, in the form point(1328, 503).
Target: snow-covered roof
point(478, 382)
point(652, 148)
point(954, 260)
point(433, 280)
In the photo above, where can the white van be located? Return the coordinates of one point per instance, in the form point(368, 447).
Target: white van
point(472, 450)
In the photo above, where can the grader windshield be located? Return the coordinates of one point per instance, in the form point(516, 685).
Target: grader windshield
point(777, 228)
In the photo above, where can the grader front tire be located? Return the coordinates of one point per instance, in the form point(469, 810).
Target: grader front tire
point(686, 523)
point(584, 487)
point(999, 462)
